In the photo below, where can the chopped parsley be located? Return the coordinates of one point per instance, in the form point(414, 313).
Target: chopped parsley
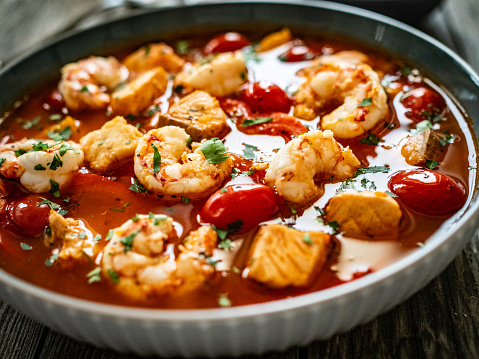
point(51, 204)
point(26, 247)
point(370, 139)
point(449, 139)
point(82, 235)
point(56, 162)
point(223, 190)
point(54, 188)
point(185, 200)
point(31, 124)
point(248, 151)
point(97, 238)
point(424, 125)
point(225, 244)
point(214, 151)
point(55, 117)
point(62, 212)
point(405, 71)
point(224, 301)
point(128, 240)
point(61, 135)
point(235, 226)
point(152, 111)
point(20, 152)
point(66, 147)
point(334, 226)
point(156, 159)
point(250, 54)
point(307, 239)
point(390, 194)
point(39, 167)
point(365, 102)
point(182, 47)
point(109, 235)
point(372, 169)
point(131, 117)
point(431, 164)
point(138, 187)
point(293, 210)
point(49, 261)
point(189, 141)
point(114, 276)
point(2, 160)
point(84, 89)
point(256, 121)
point(136, 218)
point(94, 275)
point(222, 233)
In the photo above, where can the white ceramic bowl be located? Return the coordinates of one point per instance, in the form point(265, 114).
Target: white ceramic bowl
point(274, 325)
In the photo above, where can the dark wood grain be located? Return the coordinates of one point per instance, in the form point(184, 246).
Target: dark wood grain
point(440, 321)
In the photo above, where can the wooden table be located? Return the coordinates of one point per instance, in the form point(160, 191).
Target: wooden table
point(441, 321)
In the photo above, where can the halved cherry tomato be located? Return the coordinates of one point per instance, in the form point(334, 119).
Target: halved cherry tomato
point(422, 102)
point(54, 101)
point(427, 191)
point(296, 54)
point(231, 41)
point(26, 217)
point(264, 97)
point(250, 203)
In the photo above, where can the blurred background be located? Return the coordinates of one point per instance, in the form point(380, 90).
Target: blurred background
point(27, 23)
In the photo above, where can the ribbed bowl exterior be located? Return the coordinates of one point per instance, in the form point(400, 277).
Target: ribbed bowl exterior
point(275, 325)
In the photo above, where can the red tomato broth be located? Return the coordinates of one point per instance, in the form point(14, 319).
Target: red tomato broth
point(91, 199)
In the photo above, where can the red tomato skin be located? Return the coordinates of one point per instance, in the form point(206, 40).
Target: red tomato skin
point(26, 217)
point(421, 99)
point(231, 41)
point(252, 203)
point(296, 54)
point(428, 192)
point(263, 97)
point(54, 101)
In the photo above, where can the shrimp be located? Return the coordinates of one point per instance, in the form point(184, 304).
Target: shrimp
point(182, 172)
point(357, 87)
point(41, 166)
point(220, 77)
point(84, 84)
point(141, 260)
point(312, 156)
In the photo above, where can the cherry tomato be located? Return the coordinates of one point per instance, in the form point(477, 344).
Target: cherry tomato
point(422, 102)
point(250, 203)
point(427, 191)
point(27, 217)
point(54, 101)
point(231, 41)
point(296, 54)
point(265, 97)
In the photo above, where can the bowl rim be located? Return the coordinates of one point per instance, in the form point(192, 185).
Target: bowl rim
point(459, 221)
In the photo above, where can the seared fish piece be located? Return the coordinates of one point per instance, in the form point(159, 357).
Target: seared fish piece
point(421, 147)
point(154, 55)
point(281, 257)
point(140, 92)
point(110, 146)
point(364, 214)
point(199, 114)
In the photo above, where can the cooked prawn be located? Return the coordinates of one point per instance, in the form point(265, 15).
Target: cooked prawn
point(141, 256)
point(220, 77)
point(312, 156)
point(357, 87)
point(84, 84)
point(38, 163)
point(183, 172)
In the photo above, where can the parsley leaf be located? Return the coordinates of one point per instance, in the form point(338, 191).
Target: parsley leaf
point(54, 188)
point(224, 301)
point(307, 239)
point(51, 204)
point(2, 160)
point(26, 247)
point(39, 167)
point(373, 169)
point(431, 164)
point(365, 102)
point(66, 147)
point(32, 123)
point(185, 200)
point(182, 47)
point(256, 121)
point(61, 135)
point(109, 235)
point(128, 240)
point(114, 276)
point(56, 162)
point(156, 159)
point(424, 125)
point(249, 151)
point(94, 275)
point(138, 187)
point(51, 260)
point(371, 139)
point(214, 151)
